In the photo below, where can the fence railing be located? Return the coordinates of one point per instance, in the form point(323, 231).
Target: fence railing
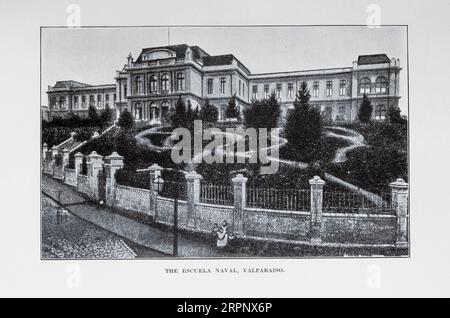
point(347, 202)
point(216, 194)
point(170, 189)
point(58, 172)
point(279, 199)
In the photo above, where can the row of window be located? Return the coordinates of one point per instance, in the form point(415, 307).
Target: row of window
point(365, 85)
point(62, 101)
point(290, 90)
point(379, 112)
point(164, 83)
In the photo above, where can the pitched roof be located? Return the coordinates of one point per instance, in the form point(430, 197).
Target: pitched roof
point(226, 59)
point(179, 49)
point(372, 59)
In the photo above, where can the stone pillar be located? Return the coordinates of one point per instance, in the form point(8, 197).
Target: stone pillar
point(240, 199)
point(78, 163)
point(193, 196)
point(155, 171)
point(94, 165)
point(113, 162)
point(44, 151)
point(65, 160)
point(54, 152)
point(399, 190)
point(316, 209)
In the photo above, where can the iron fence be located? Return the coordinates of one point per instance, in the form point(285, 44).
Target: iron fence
point(343, 202)
point(216, 194)
point(279, 199)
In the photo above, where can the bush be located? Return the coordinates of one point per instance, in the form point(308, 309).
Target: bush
point(232, 110)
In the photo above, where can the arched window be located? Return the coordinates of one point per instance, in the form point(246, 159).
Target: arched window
point(152, 84)
point(364, 85)
point(165, 82)
point(53, 102)
point(380, 112)
point(138, 84)
point(380, 85)
point(138, 111)
point(180, 81)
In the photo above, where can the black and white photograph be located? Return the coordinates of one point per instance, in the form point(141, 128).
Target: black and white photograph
point(238, 141)
point(224, 156)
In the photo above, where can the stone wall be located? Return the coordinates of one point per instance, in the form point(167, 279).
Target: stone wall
point(70, 177)
point(311, 226)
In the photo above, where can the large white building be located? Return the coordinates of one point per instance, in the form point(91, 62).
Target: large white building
point(150, 85)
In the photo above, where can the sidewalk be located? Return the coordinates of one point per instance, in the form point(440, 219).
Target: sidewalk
point(134, 231)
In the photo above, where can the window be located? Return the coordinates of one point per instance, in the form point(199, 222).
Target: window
point(329, 88)
point(165, 82)
point(278, 91)
point(62, 102)
point(138, 111)
point(75, 101)
point(380, 85)
point(290, 90)
point(52, 102)
point(243, 89)
point(99, 100)
point(266, 91)
point(180, 81)
point(316, 89)
point(91, 100)
point(125, 90)
point(222, 85)
point(152, 84)
point(364, 86)
point(138, 84)
point(83, 101)
point(255, 92)
point(107, 100)
point(342, 88)
point(114, 96)
point(239, 87)
point(210, 85)
point(380, 112)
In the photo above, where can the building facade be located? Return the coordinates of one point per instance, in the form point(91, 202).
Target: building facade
point(150, 85)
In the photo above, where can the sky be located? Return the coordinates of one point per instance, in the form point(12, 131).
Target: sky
point(92, 55)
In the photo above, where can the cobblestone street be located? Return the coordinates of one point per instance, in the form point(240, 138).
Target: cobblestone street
point(67, 236)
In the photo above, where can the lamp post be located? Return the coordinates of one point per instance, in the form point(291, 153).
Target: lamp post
point(158, 184)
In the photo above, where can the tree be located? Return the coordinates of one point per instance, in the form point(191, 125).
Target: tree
point(262, 113)
point(92, 114)
point(365, 110)
point(106, 115)
point(209, 113)
point(232, 110)
point(394, 116)
point(304, 125)
point(126, 120)
point(178, 117)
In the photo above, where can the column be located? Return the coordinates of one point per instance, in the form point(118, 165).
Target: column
point(94, 165)
point(78, 164)
point(113, 162)
point(155, 172)
point(240, 199)
point(316, 209)
point(44, 151)
point(399, 190)
point(65, 161)
point(193, 196)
